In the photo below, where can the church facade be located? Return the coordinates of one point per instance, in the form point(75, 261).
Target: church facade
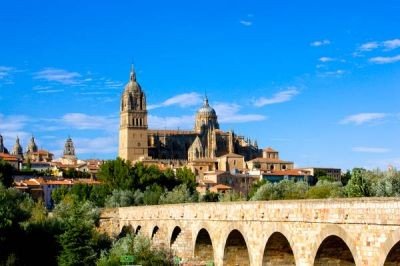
point(199, 148)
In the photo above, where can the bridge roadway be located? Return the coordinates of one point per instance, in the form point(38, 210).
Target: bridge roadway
point(359, 231)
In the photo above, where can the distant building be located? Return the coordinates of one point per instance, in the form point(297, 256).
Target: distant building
point(3, 149)
point(269, 162)
point(332, 173)
point(11, 159)
point(41, 188)
point(292, 174)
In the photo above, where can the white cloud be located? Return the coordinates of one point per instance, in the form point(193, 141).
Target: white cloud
point(362, 118)
point(370, 149)
point(385, 60)
point(171, 122)
point(320, 43)
point(84, 121)
point(12, 126)
point(5, 71)
point(96, 146)
point(229, 113)
point(246, 23)
point(58, 75)
point(181, 100)
point(369, 46)
point(326, 59)
point(335, 73)
point(279, 97)
point(391, 44)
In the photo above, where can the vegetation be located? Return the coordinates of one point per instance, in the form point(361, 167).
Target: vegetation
point(6, 172)
point(139, 248)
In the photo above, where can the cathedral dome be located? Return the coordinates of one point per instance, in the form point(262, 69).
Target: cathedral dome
point(132, 85)
point(206, 109)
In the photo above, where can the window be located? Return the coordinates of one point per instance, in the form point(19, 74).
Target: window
point(138, 144)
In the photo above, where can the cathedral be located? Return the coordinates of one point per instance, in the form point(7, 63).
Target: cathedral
point(200, 148)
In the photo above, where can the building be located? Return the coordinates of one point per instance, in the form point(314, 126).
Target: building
point(15, 161)
point(3, 149)
point(332, 173)
point(269, 162)
point(199, 148)
point(292, 174)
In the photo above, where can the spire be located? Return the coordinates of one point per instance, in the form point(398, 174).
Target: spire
point(205, 103)
point(132, 74)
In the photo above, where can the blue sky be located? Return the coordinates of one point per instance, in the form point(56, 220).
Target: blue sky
point(320, 82)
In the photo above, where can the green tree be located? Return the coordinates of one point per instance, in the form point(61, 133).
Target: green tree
point(139, 248)
point(151, 195)
point(179, 194)
point(187, 177)
point(15, 208)
point(78, 219)
point(117, 174)
point(6, 173)
point(359, 185)
point(230, 196)
point(325, 189)
point(120, 198)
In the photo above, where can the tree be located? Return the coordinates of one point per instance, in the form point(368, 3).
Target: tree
point(139, 248)
point(358, 185)
point(6, 173)
point(15, 208)
point(151, 195)
point(187, 177)
point(325, 189)
point(117, 174)
point(120, 198)
point(78, 219)
point(179, 194)
point(255, 186)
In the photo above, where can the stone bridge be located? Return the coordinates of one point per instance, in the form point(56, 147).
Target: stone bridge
point(362, 231)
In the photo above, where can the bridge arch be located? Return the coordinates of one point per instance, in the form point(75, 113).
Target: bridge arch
point(154, 232)
point(278, 251)
point(235, 250)
point(390, 248)
point(334, 234)
point(334, 251)
point(126, 229)
point(203, 248)
point(174, 235)
point(138, 228)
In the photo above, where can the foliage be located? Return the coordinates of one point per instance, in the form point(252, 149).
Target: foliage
point(151, 195)
point(255, 186)
point(73, 173)
point(179, 194)
point(6, 172)
point(139, 248)
point(78, 219)
point(94, 193)
point(359, 185)
point(116, 174)
point(15, 207)
point(120, 198)
point(209, 197)
point(325, 189)
point(230, 196)
point(286, 189)
point(187, 177)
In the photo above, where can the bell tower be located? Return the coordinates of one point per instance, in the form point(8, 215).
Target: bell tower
point(133, 122)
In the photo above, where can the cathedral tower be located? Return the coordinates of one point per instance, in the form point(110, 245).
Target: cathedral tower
point(133, 122)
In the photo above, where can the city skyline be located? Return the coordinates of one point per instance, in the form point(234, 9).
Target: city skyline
point(318, 82)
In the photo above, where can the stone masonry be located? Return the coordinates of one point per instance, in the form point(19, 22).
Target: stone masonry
point(361, 231)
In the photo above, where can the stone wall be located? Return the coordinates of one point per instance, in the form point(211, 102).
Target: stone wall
point(302, 232)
